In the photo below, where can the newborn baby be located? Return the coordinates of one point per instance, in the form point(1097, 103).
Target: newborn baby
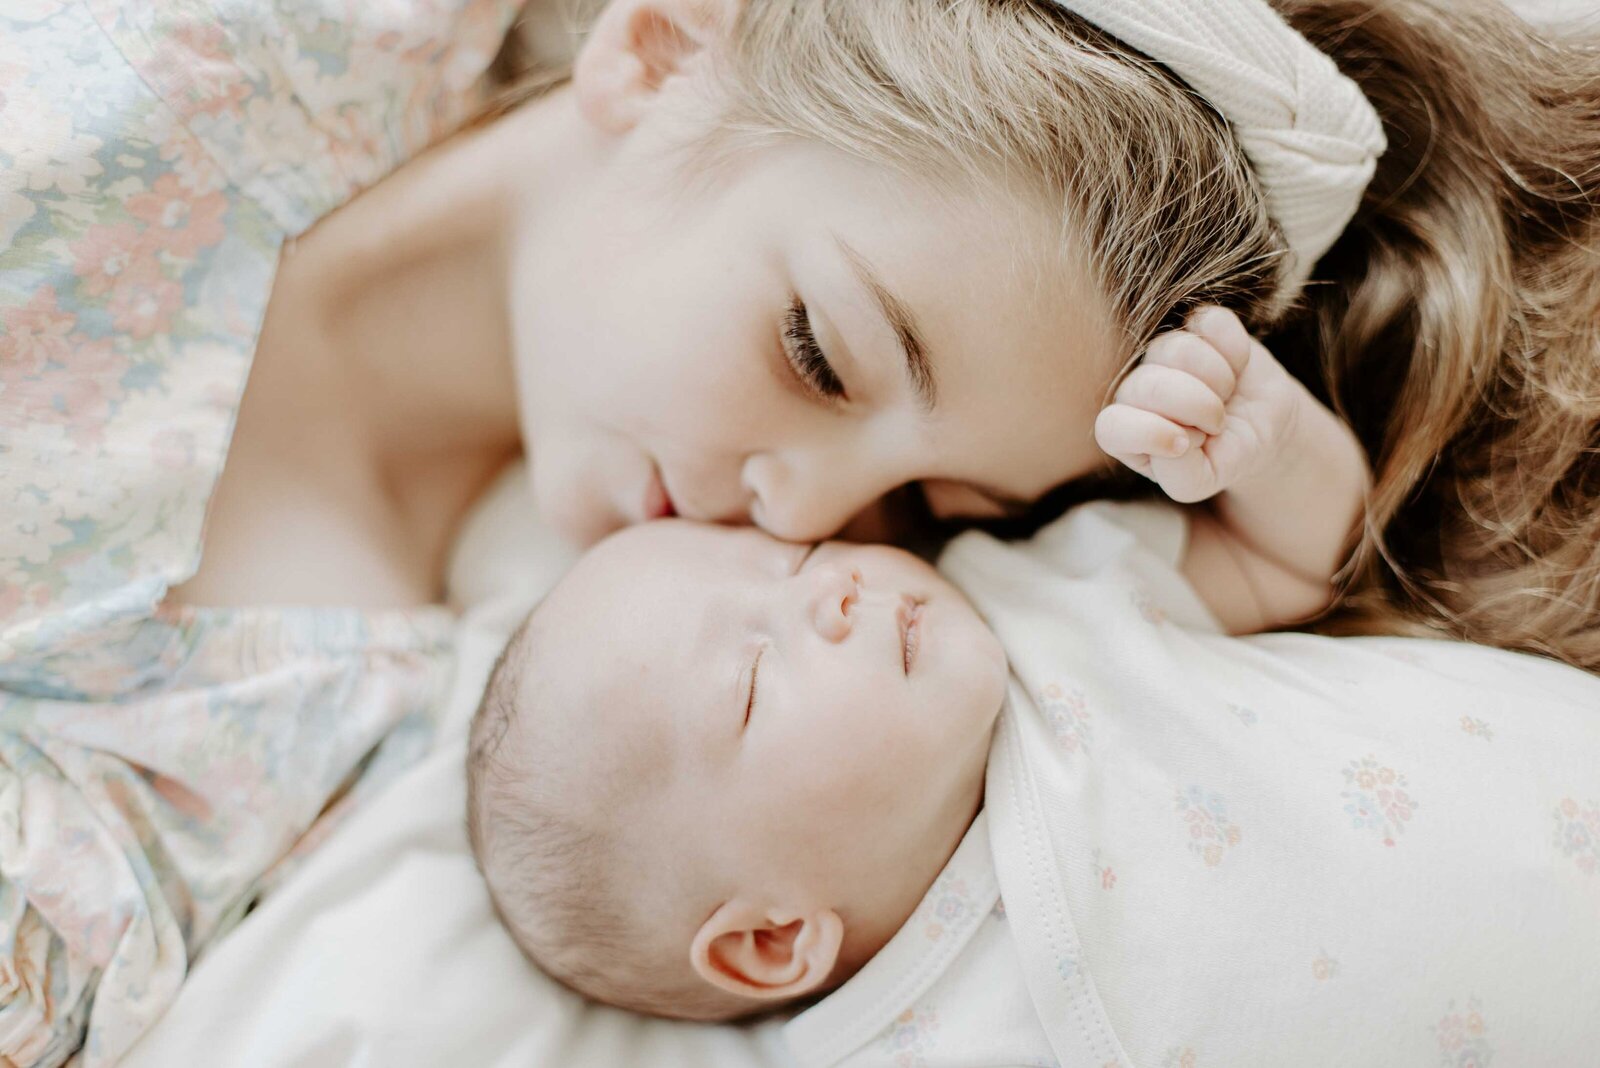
point(730, 766)
point(715, 772)
point(719, 772)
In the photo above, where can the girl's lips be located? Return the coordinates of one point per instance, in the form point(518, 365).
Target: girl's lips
point(657, 504)
point(910, 617)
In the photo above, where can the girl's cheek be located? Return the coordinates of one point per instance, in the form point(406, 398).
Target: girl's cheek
point(951, 500)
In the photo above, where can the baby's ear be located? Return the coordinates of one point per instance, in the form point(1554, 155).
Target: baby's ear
point(767, 954)
point(635, 46)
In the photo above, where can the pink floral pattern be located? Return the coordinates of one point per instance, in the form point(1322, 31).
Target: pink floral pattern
point(1324, 967)
point(1180, 1057)
point(1477, 728)
point(1377, 799)
point(1103, 871)
point(1211, 832)
point(163, 768)
point(1068, 715)
point(1463, 1036)
point(911, 1037)
point(1149, 610)
point(1577, 833)
point(946, 905)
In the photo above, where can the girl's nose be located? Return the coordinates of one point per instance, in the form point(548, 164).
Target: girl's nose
point(831, 595)
point(801, 499)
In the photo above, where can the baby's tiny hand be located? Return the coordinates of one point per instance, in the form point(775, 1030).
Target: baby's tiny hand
point(1205, 409)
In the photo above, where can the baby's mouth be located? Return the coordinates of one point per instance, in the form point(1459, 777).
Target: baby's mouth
point(910, 616)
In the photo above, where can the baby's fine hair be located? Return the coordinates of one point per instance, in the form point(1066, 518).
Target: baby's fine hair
point(556, 873)
point(1455, 325)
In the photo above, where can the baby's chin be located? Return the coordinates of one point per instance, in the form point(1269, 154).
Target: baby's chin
point(986, 657)
point(993, 657)
point(879, 918)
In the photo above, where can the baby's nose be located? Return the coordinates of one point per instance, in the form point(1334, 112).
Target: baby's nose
point(833, 594)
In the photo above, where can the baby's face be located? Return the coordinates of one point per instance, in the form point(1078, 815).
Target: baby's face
point(816, 717)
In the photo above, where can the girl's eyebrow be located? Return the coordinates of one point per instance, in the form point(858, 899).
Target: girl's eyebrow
point(919, 369)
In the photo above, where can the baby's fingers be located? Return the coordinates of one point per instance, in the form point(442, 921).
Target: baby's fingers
point(1175, 395)
point(1133, 435)
point(1224, 333)
point(1188, 478)
point(1185, 351)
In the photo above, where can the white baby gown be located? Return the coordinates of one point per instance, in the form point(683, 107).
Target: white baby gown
point(1200, 851)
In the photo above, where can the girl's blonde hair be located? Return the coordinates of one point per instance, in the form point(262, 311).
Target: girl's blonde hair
point(1456, 324)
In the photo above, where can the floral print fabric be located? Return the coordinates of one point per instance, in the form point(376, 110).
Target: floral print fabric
point(159, 767)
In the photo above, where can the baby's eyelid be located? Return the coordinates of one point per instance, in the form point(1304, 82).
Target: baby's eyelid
point(755, 665)
point(755, 673)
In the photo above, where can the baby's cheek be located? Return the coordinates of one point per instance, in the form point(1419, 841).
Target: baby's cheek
point(828, 797)
point(868, 782)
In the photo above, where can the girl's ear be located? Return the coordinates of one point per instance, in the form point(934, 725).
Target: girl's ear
point(635, 47)
point(767, 955)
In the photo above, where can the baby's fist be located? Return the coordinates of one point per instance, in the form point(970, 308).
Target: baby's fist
point(1203, 411)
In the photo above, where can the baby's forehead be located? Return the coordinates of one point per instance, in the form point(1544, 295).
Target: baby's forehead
point(665, 545)
point(620, 661)
point(586, 715)
point(637, 603)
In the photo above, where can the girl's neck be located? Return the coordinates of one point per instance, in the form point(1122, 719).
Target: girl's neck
point(409, 283)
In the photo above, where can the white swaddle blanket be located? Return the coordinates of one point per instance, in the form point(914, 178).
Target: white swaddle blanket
point(1228, 852)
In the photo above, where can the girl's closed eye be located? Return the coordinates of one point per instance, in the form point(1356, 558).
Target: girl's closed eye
point(805, 356)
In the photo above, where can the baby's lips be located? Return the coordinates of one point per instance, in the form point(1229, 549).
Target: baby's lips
point(909, 616)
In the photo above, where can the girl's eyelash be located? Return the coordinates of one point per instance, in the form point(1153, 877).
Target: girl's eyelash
point(805, 355)
point(755, 671)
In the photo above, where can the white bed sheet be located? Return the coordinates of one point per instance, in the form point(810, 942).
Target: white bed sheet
point(382, 950)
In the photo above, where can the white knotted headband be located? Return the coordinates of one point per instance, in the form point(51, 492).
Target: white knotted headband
point(1311, 135)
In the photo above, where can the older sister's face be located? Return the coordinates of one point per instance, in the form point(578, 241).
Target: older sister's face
point(793, 335)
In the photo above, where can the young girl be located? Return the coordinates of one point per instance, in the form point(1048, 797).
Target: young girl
point(757, 262)
point(1455, 322)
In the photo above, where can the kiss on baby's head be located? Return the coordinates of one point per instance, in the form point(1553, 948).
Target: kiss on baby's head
point(714, 772)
